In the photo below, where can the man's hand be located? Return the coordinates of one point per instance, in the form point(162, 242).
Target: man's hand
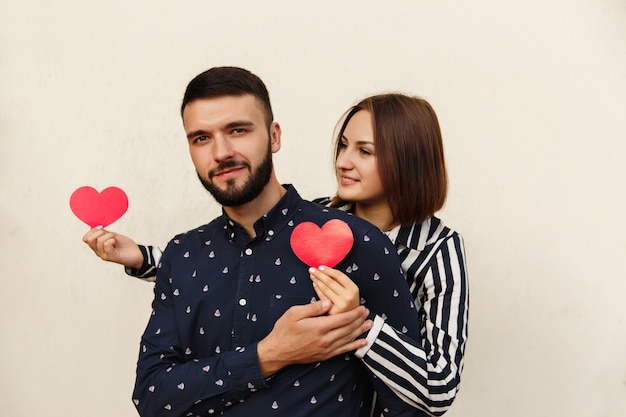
point(305, 335)
point(114, 247)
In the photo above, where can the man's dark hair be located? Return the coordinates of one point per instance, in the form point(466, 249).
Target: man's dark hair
point(228, 81)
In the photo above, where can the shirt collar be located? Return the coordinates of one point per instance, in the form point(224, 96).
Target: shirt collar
point(391, 234)
point(271, 222)
point(414, 236)
point(418, 235)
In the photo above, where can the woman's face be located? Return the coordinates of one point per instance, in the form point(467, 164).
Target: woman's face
point(358, 179)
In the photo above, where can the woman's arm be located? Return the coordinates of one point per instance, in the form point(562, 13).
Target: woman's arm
point(139, 261)
point(151, 258)
point(113, 247)
point(425, 372)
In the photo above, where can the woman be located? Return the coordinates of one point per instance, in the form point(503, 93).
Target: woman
point(390, 169)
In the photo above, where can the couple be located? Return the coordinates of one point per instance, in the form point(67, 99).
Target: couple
point(234, 328)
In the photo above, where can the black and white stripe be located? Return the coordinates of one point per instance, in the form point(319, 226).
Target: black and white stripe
point(151, 259)
point(426, 373)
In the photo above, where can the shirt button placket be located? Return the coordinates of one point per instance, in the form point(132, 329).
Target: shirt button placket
point(243, 290)
point(243, 301)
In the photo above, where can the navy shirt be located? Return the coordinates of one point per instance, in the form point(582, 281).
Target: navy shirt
point(219, 292)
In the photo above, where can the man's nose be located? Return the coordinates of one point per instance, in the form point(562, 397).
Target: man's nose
point(223, 148)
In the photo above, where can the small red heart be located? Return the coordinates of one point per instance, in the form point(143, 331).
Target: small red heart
point(317, 246)
point(99, 209)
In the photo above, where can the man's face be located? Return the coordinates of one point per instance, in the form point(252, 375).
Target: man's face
point(230, 146)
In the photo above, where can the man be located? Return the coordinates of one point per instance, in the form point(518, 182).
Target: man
point(225, 292)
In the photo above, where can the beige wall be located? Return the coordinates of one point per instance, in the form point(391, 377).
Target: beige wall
point(532, 101)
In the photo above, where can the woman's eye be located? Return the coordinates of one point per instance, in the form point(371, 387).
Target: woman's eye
point(365, 151)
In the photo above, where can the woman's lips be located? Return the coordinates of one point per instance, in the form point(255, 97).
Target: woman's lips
point(348, 180)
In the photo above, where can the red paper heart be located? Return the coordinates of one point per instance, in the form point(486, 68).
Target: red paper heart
point(99, 209)
point(325, 246)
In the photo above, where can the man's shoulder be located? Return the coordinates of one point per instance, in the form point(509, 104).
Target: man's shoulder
point(204, 232)
point(320, 214)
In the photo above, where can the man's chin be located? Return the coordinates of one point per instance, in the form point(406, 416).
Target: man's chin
point(231, 195)
point(243, 188)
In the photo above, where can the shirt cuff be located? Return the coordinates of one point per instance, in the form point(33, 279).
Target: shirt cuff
point(244, 369)
point(147, 271)
point(371, 337)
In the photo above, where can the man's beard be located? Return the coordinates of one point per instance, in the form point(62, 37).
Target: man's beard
point(250, 190)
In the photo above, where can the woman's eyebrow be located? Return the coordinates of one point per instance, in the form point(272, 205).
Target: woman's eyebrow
point(358, 142)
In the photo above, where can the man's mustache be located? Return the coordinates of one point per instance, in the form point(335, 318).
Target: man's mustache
point(226, 166)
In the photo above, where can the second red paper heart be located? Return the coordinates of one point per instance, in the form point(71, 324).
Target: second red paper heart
point(317, 246)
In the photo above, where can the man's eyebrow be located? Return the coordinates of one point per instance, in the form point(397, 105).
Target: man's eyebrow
point(239, 123)
point(195, 133)
point(230, 125)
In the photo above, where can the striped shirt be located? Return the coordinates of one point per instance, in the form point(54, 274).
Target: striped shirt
point(424, 373)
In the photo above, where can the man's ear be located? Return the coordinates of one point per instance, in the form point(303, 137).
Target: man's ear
point(275, 133)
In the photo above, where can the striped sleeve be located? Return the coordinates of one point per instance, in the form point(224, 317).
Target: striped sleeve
point(151, 259)
point(426, 373)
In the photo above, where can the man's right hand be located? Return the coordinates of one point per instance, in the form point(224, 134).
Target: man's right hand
point(113, 247)
point(304, 334)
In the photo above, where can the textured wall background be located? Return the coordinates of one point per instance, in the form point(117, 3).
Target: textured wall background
point(531, 98)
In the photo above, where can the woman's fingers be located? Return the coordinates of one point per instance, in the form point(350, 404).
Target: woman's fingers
point(334, 285)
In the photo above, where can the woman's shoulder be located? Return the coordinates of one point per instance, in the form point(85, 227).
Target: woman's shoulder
point(322, 201)
point(431, 231)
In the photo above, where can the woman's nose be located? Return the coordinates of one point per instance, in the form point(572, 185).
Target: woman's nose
point(343, 161)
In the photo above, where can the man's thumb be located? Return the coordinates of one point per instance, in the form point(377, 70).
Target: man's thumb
point(320, 307)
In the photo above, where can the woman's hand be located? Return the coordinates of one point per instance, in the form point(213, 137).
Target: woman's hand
point(113, 247)
point(332, 284)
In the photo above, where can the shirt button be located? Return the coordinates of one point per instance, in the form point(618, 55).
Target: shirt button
point(243, 302)
point(248, 251)
point(271, 233)
point(211, 411)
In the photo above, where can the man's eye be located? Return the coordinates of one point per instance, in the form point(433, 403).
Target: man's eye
point(238, 131)
point(200, 139)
